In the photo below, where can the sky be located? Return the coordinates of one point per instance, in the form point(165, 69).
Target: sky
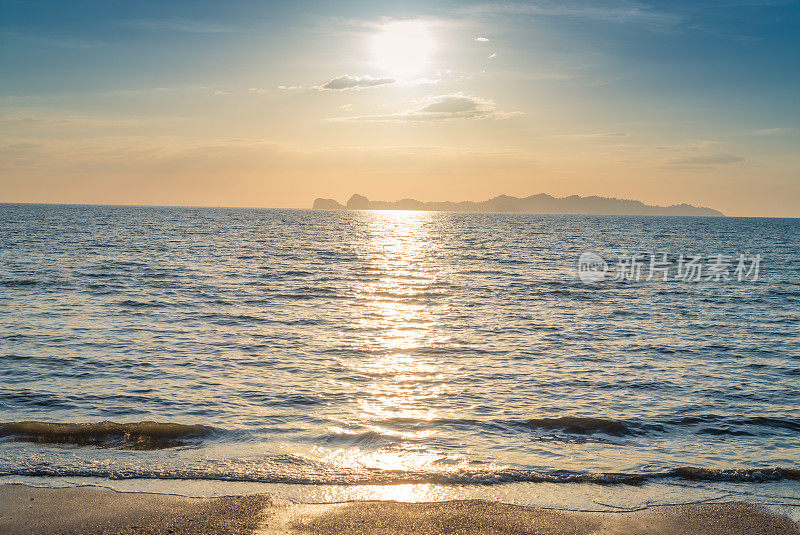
point(272, 104)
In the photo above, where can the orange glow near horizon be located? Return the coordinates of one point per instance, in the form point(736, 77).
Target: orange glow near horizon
point(438, 104)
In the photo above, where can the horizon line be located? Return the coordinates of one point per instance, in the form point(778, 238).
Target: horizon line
point(239, 207)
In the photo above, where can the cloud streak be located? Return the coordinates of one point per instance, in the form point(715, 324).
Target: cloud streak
point(443, 108)
point(345, 82)
point(602, 134)
point(770, 131)
point(77, 44)
point(709, 159)
point(176, 25)
point(614, 12)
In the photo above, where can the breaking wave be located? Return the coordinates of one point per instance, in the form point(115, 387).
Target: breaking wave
point(711, 424)
point(277, 471)
point(582, 425)
point(135, 436)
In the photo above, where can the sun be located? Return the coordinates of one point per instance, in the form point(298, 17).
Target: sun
point(402, 48)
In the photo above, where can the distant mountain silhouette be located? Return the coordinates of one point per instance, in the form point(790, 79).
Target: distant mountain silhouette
point(534, 204)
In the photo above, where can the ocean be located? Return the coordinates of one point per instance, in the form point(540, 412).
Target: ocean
point(405, 355)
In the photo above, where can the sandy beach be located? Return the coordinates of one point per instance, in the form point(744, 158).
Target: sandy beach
point(25, 510)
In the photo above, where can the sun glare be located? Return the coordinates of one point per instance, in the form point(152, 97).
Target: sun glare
point(403, 48)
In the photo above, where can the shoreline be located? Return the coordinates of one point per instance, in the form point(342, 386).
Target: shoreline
point(779, 497)
point(66, 510)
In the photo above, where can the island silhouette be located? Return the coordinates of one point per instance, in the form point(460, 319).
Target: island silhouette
point(533, 204)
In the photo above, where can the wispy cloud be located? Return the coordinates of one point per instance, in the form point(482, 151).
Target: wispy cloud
point(709, 159)
point(65, 121)
point(482, 39)
point(616, 12)
point(601, 134)
point(492, 55)
point(691, 146)
point(419, 81)
point(345, 81)
point(51, 41)
point(281, 87)
point(443, 108)
point(770, 131)
point(176, 25)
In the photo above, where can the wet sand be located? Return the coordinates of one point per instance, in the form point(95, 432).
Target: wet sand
point(28, 511)
point(25, 510)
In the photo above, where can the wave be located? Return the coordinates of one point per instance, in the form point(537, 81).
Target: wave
point(586, 426)
point(142, 304)
point(408, 295)
point(282, 471)
point(790, 424)
point(708, 424)
point(159, 435)
point(581, 425)
point(106, 434)
point(18, 282)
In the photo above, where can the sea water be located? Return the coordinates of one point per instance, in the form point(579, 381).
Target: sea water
point(330, 355)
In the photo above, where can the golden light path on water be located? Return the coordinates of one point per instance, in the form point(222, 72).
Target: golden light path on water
point(404, 382)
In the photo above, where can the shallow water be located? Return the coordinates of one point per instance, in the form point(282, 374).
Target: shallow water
point(374, 348)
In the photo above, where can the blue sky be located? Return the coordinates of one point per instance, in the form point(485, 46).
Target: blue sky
point(116, 101)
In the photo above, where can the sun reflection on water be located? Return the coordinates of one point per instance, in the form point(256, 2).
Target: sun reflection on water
point(401, 379)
